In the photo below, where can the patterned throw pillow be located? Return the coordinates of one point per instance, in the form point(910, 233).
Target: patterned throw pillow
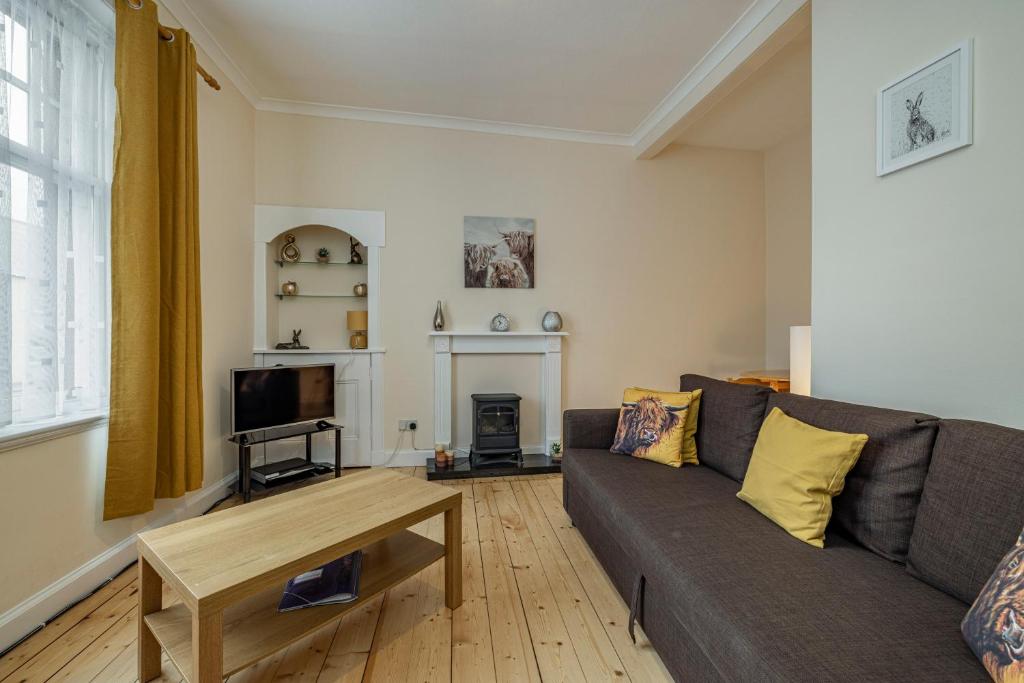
point(994, 626)
point(658, 426)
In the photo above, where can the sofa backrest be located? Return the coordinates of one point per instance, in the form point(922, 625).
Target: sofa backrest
point(882, 492)
point(971, 510)
point(728, 420)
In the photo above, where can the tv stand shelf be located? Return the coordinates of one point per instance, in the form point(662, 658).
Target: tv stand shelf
point(248, 440)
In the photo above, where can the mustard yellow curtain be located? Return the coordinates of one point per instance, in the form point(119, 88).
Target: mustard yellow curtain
point(155, 443)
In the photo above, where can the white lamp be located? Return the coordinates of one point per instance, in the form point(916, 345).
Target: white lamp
point(800, 360)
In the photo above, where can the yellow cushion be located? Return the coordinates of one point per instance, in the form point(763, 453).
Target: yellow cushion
point(689, 448)
point(654, 425)
point(795, 471)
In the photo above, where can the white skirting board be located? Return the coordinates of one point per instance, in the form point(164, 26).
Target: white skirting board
point(26, 616)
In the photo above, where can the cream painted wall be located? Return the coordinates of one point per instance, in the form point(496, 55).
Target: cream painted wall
point(917, 275)
point(787, 218)
point(657, 266)
point(51, 508)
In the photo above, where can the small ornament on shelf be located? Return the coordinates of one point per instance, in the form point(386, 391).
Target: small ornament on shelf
point(289, 288)
point(323, 255)
point(552, 321)
point(354, 255)
point(359, 289)
point(290, 252)
point(296, 342)
point(438, 318)
point(500, 323)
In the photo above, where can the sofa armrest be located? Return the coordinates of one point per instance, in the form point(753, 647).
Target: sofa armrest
point(590, 428)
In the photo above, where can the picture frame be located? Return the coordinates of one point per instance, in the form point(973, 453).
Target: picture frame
point(926, 112)
point(498, 252)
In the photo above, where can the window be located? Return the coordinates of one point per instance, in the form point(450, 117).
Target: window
point(56, 142)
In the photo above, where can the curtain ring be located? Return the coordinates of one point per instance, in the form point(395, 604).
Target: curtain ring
point(133, 5)
point(171, 39)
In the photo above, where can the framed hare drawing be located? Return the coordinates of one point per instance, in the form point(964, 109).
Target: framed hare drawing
point(926, 112)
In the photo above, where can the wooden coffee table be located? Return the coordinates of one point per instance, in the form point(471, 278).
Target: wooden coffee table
point(229, 568)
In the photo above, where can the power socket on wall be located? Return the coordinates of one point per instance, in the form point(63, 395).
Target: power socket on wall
point(407, 425)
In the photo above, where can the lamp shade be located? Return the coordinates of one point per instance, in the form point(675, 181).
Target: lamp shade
point(800, 360)
point(357, 320)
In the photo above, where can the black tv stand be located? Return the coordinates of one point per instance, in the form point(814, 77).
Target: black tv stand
point(247, 441)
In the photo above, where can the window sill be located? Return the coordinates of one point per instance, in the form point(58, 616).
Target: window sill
point(22, 435)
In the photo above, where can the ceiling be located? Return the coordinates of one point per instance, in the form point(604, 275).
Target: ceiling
point(771, 105)
point(600, 66)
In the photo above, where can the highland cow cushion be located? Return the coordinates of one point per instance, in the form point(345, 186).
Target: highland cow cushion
point(658, 426)
point(994, 626)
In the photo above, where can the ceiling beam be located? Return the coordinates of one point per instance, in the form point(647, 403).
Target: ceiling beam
point(756, 37)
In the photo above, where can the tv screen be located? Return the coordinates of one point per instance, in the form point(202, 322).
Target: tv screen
point(279, 396)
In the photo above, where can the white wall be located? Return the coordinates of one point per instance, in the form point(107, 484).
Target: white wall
point(917, 275)
point(787, 219)
point(657, 266)
point(51, 507)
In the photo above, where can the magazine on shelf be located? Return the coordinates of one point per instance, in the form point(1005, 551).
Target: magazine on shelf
point(333, 583)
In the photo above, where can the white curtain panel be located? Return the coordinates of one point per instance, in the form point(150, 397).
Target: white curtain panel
point(56, 144)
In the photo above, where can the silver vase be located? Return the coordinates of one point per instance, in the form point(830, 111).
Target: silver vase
point(438, 318)
point(552, 322)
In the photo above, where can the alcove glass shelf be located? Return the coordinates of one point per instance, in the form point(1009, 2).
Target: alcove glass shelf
point(282, 264)
point(319, 296)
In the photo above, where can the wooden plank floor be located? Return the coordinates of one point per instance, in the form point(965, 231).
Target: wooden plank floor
point(537, 607)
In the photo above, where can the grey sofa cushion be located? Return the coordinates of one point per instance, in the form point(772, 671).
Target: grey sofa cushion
point(589, 428)
point(879, 500)
point(680, 654)
point(971, 511)
point(728, 421)
point(761, 605)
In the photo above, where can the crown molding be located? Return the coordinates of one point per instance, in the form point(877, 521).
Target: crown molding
point(751, 31)
point(439, 121)
point(647, 139)
point(742, 28)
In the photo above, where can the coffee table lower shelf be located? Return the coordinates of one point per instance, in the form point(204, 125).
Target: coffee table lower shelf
point(254, 629)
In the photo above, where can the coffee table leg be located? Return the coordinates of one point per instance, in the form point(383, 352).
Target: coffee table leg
point(150, 600)
point(207, 648)
point(453, 555)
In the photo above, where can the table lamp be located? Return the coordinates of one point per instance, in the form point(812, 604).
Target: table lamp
point(800, 360)
point(357, 323)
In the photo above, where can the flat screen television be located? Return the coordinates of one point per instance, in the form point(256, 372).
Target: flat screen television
point(279, 396)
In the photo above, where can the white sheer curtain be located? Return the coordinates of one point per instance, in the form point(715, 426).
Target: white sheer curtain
point(56, 138)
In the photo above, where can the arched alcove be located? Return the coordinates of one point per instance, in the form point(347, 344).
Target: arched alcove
point(359, 371)
point(273, 221)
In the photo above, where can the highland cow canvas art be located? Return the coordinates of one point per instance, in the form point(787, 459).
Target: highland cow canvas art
point(498, 252)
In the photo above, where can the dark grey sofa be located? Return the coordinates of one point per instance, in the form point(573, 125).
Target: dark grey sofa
point(926, 514)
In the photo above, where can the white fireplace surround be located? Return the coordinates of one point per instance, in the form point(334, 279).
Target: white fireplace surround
point(546, 344)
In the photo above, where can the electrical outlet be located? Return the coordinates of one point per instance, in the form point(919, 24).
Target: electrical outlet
point(407, 425)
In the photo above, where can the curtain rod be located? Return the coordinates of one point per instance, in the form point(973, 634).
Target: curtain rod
point(166, 34)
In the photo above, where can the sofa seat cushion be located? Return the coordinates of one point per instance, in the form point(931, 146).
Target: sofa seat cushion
point(879, 501)
point(761, 604)
point(971, 510)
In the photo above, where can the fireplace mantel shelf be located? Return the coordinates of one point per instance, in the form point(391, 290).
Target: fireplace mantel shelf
point(488, 333)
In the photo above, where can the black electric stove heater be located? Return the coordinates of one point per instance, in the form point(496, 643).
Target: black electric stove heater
point(496, 431)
